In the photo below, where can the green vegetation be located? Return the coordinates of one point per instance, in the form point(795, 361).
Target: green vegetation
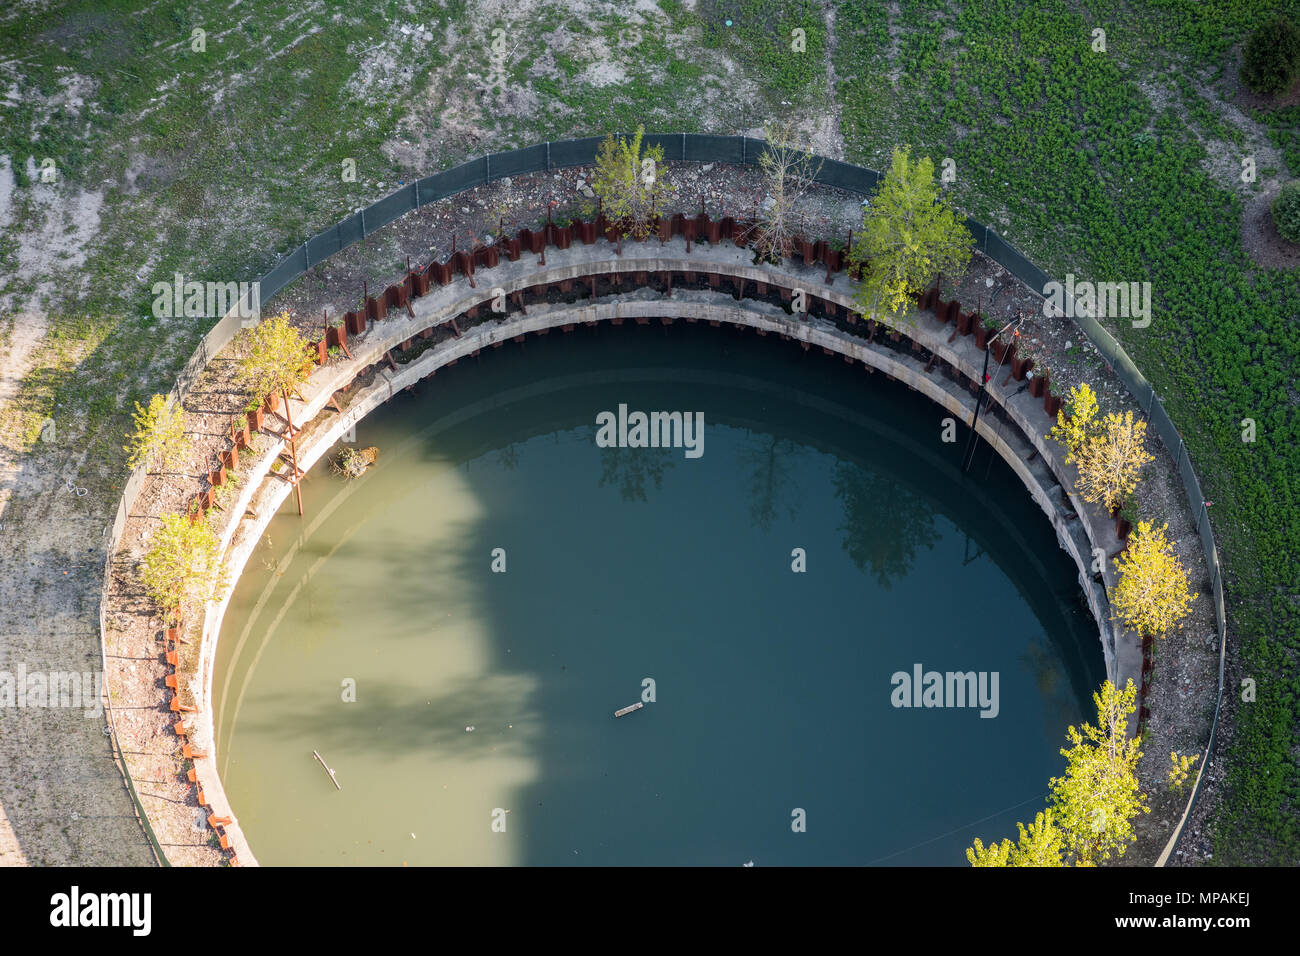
point(159, 436)
point(1111, 459)
point(1181, 769)
point(1152, 595)
point(763, 33)
point(1270, 61)
point(1090, 817)
point(278, 360)
point(1074, 421)
point(630, 180)
point(910, 234)
point(182, 569)
point(1286, 212)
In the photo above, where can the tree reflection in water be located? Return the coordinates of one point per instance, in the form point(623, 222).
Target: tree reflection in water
point(884, 523)
point(629, 468)
point(770, 479)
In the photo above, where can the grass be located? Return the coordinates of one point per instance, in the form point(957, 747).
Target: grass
point(763, 33)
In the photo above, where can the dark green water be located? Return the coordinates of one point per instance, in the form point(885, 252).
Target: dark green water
point(773, 688)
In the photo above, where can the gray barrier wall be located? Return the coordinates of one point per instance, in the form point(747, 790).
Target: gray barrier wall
point(701, 148)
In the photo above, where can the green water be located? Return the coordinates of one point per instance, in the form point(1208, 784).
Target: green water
point(772, 688)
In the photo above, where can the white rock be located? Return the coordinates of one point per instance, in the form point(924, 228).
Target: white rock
point(505, 181)
point(988, 283)
point(707, 169)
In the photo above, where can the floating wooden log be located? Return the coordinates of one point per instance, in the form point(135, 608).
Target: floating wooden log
point(627, 710)
point(327, 769)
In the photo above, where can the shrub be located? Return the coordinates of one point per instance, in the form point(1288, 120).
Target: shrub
point(159, 436)
point(1271, 59)
point(1286, 212)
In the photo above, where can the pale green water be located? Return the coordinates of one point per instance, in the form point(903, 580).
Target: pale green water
point(773, 688)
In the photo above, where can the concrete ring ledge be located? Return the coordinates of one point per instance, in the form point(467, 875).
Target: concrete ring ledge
point(1044, 474)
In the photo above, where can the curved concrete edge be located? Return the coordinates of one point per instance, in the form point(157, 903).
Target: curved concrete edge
point(695, 148)
point(264, 495)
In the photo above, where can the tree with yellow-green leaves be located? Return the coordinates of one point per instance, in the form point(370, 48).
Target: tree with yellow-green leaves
point(1074, 421)
point(159, 436)
point(278, 360)
point(1097, 799)
point(995, 854)
point(910, 233)
point(1092, 807)
point(1151, 595)
point(629, 181)
point(182, 569)
point(1040, 844)
point(1111, 459)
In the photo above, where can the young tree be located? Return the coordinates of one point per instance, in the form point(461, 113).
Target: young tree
point(909, 234)
point(1073, 431)
point(1151, 595)
point(1097, 799)
point(630, 181)
point(159, 436)
point(278, 361)
point(1111, 460)
point(788, 173)
point(182, 567)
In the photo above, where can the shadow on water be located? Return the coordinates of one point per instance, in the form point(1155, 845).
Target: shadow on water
point(772, 687)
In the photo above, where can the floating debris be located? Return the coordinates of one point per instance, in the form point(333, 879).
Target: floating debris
point(352, 462)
